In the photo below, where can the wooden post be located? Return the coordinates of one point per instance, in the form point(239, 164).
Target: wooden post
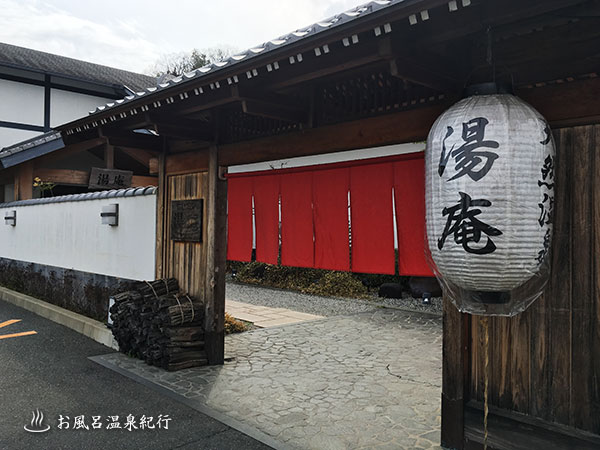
point(24, 181)
point(216, 211)
point(109, 156)
point(454, 370)
point(161, 200)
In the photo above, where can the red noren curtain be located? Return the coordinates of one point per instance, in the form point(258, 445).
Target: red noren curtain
point(330, 203)
point(239, 219)
point(297, 247)
point(409, 196)
point(372, 220)
point(266, 216)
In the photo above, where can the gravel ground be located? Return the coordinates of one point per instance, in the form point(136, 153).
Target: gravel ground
point(322, 306)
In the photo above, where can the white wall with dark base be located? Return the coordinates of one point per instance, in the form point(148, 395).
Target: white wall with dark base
point(70, 235)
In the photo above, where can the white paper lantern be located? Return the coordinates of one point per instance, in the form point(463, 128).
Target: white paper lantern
point(490, 196)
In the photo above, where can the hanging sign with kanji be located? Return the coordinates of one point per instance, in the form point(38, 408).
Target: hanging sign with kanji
point(110, 178)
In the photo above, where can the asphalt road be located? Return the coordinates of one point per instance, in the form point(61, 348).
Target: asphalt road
point(50, 371)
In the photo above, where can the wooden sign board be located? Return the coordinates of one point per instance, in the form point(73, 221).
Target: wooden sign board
point(186, 220)
point(110, 178)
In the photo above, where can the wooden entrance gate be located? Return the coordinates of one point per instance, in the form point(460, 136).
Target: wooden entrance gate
point(197, 263)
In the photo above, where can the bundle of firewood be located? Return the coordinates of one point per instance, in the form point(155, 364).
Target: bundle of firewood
point(157, 323)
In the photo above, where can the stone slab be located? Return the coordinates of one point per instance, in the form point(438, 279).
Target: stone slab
point(263, 316)
point(370, 380)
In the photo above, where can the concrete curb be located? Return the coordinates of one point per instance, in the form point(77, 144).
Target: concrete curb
point(88, 327)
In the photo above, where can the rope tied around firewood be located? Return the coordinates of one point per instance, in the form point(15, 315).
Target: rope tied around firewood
point(176, 297)
point(153, 322)
point(152, 287)
point(191, 306)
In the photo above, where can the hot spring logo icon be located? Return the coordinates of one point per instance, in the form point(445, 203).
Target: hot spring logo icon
point(37, 423)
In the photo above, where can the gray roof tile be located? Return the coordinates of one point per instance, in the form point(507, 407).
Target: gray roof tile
point(282, 41)
point(26, 58)
point(130, 192)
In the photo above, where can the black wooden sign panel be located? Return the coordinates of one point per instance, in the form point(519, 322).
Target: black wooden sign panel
point(186, 220)
point(110, 178)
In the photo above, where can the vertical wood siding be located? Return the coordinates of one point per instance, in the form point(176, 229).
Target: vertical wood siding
point(185, 260)
point(546, 361)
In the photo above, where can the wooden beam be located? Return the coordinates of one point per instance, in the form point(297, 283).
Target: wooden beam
point(395, 128)
point(109, 156)
point(199, 125)
point(275, 106)
point(68, 151)
point(208, 100)
point(142, 156)
point(153, 166)
point(418, 72)
point(142, 181)
point(578, 40)
point(188, 162)
point(555, 52)
point(410, 126)
point(119, 138)
point(64, 176)
point(24, 181)
point(138, 121)
point(82, 178)
point(183, 132)
point(274, 111)
point(475, 19)
point(330, 64)
point(214, 336)
point(161, 218)
point(164, 124)
point(566, 104)
point(187, 145)
point(401, 127)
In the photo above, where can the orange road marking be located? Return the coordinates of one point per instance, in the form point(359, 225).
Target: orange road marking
point(24, 333)
point(9, 322)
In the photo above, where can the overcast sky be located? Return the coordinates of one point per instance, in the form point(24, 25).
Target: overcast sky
point(133, 34)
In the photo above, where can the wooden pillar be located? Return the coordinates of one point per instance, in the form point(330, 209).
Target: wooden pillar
point(216, 208)
point(109, 156)
point(454, 372)
point(161, 208)
point(24, 181)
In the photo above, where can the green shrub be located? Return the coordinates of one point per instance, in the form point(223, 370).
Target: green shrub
point(340, 284)
point(307, 280)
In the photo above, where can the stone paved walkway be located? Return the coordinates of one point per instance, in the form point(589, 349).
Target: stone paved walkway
point(370, 380)
point(264, 316)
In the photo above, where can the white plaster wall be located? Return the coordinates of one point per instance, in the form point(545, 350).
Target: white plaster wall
point(21, 102)
point(10, 136)
point(71, 235)
point(66, 106)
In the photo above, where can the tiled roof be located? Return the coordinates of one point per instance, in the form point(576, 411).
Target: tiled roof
point(281, 42)
point(26, 58)
point(116, 193)
point(38, 145)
